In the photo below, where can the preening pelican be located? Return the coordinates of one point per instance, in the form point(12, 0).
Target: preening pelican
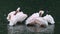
point(32, 18)
point(16, 16)
point(37, 18)
point(13, 13)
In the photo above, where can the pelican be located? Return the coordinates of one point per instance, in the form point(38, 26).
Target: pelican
point(32, 18)
point(37, 18)
point(16, 16)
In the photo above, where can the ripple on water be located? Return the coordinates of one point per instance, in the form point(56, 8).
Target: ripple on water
point(19, 29)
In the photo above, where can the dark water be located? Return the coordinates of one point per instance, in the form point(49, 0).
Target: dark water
point(29, 7)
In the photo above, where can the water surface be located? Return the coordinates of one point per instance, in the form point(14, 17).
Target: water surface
point(19, 29)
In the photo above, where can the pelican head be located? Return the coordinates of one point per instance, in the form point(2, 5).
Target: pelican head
point(41, 12)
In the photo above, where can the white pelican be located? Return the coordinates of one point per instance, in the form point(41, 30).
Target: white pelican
point(32, 18)
point(16, 16)
point(42, 21)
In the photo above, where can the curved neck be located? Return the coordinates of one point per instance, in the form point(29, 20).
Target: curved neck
point(40, 15)
point(16, 12)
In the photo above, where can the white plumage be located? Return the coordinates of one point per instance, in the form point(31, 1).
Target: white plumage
point(19, 17)
point(45, 20)
point(32, 18)
point(41, 21)
point(37, 19)
point(49, 19)
point(10, 14)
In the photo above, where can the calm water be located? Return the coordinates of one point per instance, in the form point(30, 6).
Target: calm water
point(29, 7)
point(22, 29)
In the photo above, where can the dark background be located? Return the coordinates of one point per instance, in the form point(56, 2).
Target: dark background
point(29, 7)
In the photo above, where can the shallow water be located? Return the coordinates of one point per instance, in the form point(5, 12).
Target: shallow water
point(19, 29)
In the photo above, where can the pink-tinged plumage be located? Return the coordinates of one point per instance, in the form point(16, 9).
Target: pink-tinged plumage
point(18, 17)
point(37, 19)
point(34, 17)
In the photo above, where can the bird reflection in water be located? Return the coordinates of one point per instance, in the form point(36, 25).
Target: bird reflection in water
point(19, 29)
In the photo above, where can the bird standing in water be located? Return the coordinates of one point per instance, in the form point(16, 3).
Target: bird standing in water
point(32, 19)
point(16, 16)
point(37, 18)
